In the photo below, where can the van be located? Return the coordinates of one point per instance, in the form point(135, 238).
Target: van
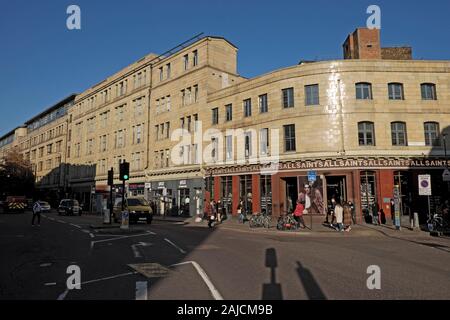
point(138, 208)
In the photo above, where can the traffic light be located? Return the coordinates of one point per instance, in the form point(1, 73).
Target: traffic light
point(124, 171)
point(111, 177)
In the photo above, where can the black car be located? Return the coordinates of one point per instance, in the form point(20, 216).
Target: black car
point(69, 207)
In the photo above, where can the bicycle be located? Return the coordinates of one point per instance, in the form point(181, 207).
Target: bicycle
point(260, 220)
point(437, 223)
point(287, 222)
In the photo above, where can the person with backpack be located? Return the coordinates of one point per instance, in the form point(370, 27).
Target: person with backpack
point(36, 213)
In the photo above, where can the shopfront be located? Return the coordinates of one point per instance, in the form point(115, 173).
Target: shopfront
point(368, 183)
point(182, 198)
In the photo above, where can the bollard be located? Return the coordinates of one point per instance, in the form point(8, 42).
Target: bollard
point(411, 221)
point(416, 220)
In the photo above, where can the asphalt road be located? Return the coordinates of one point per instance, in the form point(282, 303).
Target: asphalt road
point(177, 262)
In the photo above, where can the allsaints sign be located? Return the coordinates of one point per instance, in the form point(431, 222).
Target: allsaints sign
point(336, 164)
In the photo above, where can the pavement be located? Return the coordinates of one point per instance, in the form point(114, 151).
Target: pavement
point(180, 259)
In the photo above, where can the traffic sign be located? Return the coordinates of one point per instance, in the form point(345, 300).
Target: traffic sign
point(424, 185)
point(446, 175)
point(312, 176)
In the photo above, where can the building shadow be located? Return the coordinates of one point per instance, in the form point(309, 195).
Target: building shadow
point(312, 288)
point(272, 290)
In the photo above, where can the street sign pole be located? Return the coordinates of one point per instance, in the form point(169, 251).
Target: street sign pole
point(312, 176)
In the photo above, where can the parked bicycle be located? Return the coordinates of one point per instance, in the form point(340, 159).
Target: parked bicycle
point(438, 223)
point(287, 222)
point(260, 220)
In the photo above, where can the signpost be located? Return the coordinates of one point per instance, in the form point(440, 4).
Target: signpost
point(312, 176)
point(425, 189)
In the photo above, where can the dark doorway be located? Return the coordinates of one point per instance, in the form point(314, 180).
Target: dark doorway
point(336, 187)
point(291, 193)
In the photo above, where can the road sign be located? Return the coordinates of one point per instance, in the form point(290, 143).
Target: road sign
point(148, 185)
point(424, 185)
point(446, 175)
point(312, 176)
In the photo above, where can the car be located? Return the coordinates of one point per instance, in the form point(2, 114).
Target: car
point(139, 210)
point(69, 207)
point(45, 206)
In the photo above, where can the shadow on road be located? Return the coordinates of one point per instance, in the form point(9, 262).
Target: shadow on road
point(310, 284)
point(272, 290)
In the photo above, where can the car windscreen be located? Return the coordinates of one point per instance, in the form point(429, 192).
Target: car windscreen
point(137, 202)
point(43, 203)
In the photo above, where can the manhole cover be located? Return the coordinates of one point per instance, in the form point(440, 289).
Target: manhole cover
point(151, 270)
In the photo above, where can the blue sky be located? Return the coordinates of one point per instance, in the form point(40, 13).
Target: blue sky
point(41, 61)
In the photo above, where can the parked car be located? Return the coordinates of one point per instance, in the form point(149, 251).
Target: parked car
point(138, 210)
point(69, 207)
point(45, 207)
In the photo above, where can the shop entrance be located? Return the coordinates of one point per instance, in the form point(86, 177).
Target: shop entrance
point(184, 202)
point(337, 188)
point(291, 193)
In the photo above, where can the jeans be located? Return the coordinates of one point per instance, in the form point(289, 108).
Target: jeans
point(340, 226)
point(38, 214)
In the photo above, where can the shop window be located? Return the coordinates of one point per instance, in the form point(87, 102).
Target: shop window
point(245, 193)
point(368, 192)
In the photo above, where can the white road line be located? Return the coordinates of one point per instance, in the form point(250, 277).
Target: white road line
point(215, 293)
point(141, 290)
point(136, 252)
point(43, 265)
point(91, 235)
point(119, 238)
point(75, 225)
point(50, 284)
point(173, 244)
point(51, 219)
point(64, 294)
point(61, 221)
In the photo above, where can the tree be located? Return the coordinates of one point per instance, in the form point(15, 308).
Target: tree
point(16, 175)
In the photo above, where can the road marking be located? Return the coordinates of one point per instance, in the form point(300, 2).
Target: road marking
point(119, 238)
point(50, 284)
point(64, 294)
point(136, 253)
point(91, 235)
point(75, 225)
point(51, 219)
point(215, 293)
point(150, 232)
point(45, 265)
point(61, 221)
point(141, 290)
point(173, 244)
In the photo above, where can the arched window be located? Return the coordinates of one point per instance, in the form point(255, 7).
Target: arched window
point(366, 133)
point(431, 130)
point(396, 91)
point(428, 91)
point(363, 91)
point(398, 134)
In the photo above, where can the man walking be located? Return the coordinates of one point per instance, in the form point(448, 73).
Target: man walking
point(36, 212)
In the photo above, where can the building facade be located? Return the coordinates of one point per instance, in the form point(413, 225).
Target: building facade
point(194, 130)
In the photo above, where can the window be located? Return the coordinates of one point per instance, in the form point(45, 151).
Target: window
point(248, 144)
point(189, 123)
point(195, 93)
point(263, 106)
point(161, 74)
point(195, 58)
point(395, 91)
point(121, 88)
point(289, 137)
point(398, 133)
point(312, 95)
point(229, 112)
point(138, 134)
point(363, 91)
point(168, 70)
point(428, 91)
point(214, 151)
point(264, 141)
point(288, 98)
point(186, 61)
point(195, 122)
point(229, 147)
point(103, 143)
point(366, 134)
point(49, 149)
point(167, 130)
point(431, 130)
point(138, 110)
point(183, 97)
point(247, 107)
point(215, 116)
point(168, 103)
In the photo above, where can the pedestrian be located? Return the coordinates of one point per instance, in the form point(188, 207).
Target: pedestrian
point(375, 214)
point(211, 213)
point(36, 212)
point(339, 214)
point(330, 212)
point(353, 211)
point(219, 212)
point(298, 214)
